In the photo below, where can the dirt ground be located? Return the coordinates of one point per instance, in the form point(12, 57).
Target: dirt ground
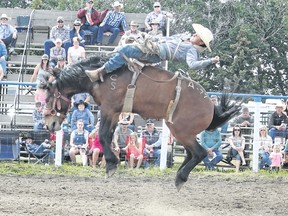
point(203, 194)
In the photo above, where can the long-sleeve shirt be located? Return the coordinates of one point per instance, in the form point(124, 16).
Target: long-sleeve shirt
point(95, 16)
point(62, 33)
point(6, 30)
point(153, 138)
point(85, 115)
point(240, 119)
point(115, 19)
point(276, 120)
point(160, 17)
point(210, 139)
point(38, 117)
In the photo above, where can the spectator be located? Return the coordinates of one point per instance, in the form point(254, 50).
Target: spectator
point(76, 52)
point(132, 35)
point(120, 136)
point(90, 19)
point(3, 61)
point(113, 21)
point(158, 15)
point(58, 31)
point(276, 158)
point(128, 116)
point(84, 114)
point(81, 97)
point(183, 51)
point(79, 143)
point(43, 148)
point(265, 147)
point(8, 34)
point(134, 151)
point(278, 123)
point(237, 142)
point(56, 52)
point(95, 148)
point(77, 32)
point(61, 64)
point(38, 117)
point(155, 32)
point(211, 141)
point(244, 119)
point(152, 143)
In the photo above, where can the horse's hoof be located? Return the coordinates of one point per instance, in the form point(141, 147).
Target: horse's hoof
point(179, 185)
point(110, 169)
point(111, 172)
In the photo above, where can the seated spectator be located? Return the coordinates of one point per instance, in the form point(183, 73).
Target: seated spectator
point(95, 148)
point(76, 31)
point(134, 151)
point(81, 97)
point(58, 31)
point(265, 147)
point(243, 120)
point(155, 32)
point(278, 123)
point(152, 143)
point(128, 116)
point(61, 64)
point(158, 15)
point(85, 115)
point(276, 158)
point(38, 117)
point(8, 34)
point(3, 61)
point(132, 35)
point(211, 141)
point(120, 136)
point(75, 53)
point(79, 143)
point(113, 21)
point(90, 19)
point(56, 52)
point(237, 143)
point(43, 148)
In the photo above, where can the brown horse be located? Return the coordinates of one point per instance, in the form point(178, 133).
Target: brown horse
point(193, 114)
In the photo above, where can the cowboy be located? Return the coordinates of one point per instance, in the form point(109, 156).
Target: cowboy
point(132, 35)
point(174, 48)
point(8, 34)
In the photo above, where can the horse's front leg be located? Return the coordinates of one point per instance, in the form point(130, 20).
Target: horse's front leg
point(105, 134)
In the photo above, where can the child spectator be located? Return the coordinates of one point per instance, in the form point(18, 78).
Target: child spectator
point(95, 148)
point(81, 97)
point(3, 62)
point(276, 158)
point(76, 52)
point(56, 52)
point(82, 113)
point(38, 117)
point(265, 147)
point(134, 151)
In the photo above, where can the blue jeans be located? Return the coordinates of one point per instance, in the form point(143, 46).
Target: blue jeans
point(130, 51)
point(94, 30)
point(43, 150)
point(264, 159)
point(10, 41)
point(4, 67)
point(273, 132)
point(157, 154)
point(210, 164)
point(115, 31)
point(48, 44)
point(38, 127)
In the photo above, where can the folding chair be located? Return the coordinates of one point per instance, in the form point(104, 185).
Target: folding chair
point(41, 158)
point(9, 145)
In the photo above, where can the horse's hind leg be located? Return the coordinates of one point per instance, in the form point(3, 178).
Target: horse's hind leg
point(195, 154)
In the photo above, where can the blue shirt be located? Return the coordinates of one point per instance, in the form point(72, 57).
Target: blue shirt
point(6, 30)
point(115, 19)
point(210, 139)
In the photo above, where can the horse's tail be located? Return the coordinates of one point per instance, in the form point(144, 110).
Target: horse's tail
point(224, 111)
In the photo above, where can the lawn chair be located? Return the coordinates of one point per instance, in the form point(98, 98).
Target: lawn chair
point(9, 145)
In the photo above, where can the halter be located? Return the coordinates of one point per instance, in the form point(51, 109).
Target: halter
point(56, 105)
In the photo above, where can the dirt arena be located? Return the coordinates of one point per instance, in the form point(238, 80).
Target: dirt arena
point(124, 194)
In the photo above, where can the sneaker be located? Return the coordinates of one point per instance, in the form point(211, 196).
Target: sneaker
point(4, 78)
point(12, 51)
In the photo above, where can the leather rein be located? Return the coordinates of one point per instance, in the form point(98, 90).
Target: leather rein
point(56, 105)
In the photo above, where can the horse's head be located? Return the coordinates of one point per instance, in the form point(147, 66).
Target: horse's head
point(57, 105)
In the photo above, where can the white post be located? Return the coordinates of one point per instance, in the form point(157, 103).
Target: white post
point(256, 134)
point(164, 145)
point(58, 151)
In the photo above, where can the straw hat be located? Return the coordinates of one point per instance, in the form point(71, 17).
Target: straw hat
point(134, 23)
point(157, 4)
point(204, 33)
point(154, 21)
point(4, 16)
point(116, 4)
point(280, 104)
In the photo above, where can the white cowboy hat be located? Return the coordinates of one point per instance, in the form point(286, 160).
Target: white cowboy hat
point(4, 16)
point(280, 104)
point(116, 4)
point(204, 33)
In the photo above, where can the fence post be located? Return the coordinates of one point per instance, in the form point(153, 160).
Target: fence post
point(58, 151)
point(164, 145)
point(256, 134)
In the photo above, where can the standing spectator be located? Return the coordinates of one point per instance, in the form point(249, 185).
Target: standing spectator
point(158, 15)
point(265, 147)
point(113, 21)
point(120, 136)
point(244, 119)
point(278, 123)
point(134, 151)
point(276, 158)
point(79, 143)
point(84, 114)
point(237, 142)
point(76, 52)
point(211, 141)
point(56, 52)
point(155, 32)
point(152, 143)
point(38, 117)
point(3, 62)
point(76, 31)
point(129, 117)
point(8, 34)
point(132, 35)
point(90, 19)
point(58, 31)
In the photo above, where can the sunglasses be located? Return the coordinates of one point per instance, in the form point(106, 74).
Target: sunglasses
point(236, 129)
point(60, 21)
point(76, 25)
point(91, 2)
point(156, 6)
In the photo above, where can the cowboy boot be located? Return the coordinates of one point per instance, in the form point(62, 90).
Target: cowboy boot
point(95, 75)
